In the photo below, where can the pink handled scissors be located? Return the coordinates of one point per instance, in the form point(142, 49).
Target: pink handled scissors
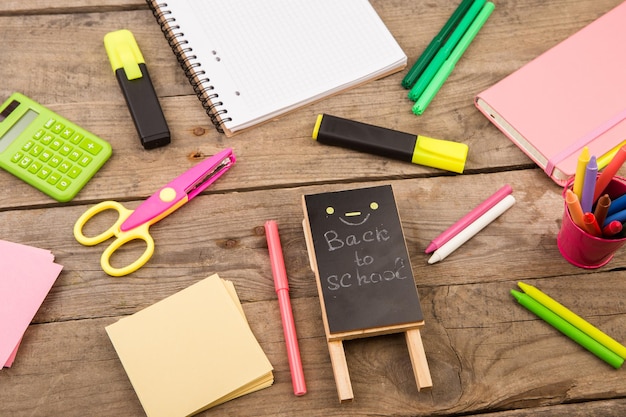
point(134, 224)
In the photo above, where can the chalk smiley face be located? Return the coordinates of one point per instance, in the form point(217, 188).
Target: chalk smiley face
point(354, 218)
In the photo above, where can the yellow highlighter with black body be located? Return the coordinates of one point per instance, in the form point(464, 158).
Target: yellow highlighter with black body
point(134, 80)
point(422, 150)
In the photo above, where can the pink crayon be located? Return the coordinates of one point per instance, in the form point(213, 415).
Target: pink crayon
point(469, 218)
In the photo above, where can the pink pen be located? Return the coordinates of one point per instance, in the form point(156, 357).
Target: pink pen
point(282, 290)
point(469, 218)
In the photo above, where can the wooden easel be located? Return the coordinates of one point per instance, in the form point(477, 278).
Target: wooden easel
point(342, 375)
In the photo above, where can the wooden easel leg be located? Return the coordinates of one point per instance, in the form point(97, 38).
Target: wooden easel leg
point(418, 359)
point(340, 370)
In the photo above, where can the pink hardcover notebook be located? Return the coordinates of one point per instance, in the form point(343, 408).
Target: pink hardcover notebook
point(571, 96)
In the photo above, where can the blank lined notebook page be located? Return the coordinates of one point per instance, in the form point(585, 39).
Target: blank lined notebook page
point(264, 58)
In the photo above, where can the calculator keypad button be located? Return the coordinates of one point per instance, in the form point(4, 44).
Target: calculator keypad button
point(65, 150)
point(67, 133)
point(44, 172)
point(28, 145)
point(25, 161)
point(63, 184)
point(45, 155)
point(90, 146)
point(47, 138)
point(76, 138)
point(36, 149)
point(54, 178)
point(75, 155)
point(85, 160)
point(64, 167)
point(57, 128)
point(54, 161)
point(56, 144)
point(34, 167)
point(74, 172)
point(16, 157)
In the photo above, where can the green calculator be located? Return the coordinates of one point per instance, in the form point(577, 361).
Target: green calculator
point(46, 150)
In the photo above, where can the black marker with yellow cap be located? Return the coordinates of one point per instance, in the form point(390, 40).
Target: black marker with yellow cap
point(422, 150)
point(134, 80)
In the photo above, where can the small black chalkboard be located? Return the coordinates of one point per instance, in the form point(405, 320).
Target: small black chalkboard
point(364, 279)
point(363, 268)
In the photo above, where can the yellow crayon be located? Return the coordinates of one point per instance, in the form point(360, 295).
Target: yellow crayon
point(579, 177)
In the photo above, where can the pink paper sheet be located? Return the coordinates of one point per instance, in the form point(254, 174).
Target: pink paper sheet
point(26, 276)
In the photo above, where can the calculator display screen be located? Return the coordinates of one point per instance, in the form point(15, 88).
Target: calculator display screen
point(17, 128)
point(9, 109)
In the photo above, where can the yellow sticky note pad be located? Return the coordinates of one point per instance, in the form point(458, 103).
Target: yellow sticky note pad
point(191, 351)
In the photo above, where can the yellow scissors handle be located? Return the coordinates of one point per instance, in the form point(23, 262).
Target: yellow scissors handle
point(138, 233)
point(123, 214)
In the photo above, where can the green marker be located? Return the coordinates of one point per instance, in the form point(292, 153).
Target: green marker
point(448, 66)
point(445, 52)
point(434, 45)
point(568, 329)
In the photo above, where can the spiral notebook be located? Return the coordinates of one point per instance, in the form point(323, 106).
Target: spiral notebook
point(250, 61)
point(569, 97)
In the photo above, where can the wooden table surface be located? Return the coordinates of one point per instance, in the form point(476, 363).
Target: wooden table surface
point(487, 355)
